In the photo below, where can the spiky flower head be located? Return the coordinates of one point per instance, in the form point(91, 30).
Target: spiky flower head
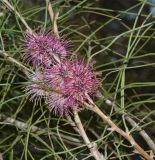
point(36, 88)
point(43, 49)
point(73, 80)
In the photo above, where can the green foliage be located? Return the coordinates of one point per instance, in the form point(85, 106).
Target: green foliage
point(120, 37)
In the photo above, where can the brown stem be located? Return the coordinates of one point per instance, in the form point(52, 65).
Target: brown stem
point(72, 123)
point(55, 27)
point(50, 10)
point(132, 122)
point(146, 137)
point(114, 127)
point(92, 146)
point(1, 158)
point(7, 56)
point(54, 17)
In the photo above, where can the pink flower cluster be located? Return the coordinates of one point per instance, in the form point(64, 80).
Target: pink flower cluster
point(63, 83)
point(44, 49)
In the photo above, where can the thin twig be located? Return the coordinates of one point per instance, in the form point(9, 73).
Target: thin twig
point(1, 158)
point(50, 10)
point(7, 56)
point(92, 106)
point(72, 123)
point(82, 132)
point(6, 2)
point(142, 132)
point(145, 136)
point(54, 17)
point(23, 126)
point(92, 146)
point(55, 27)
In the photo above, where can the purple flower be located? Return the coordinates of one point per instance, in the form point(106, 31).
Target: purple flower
point(73, 80)
point(58, 103)
point(44, 49)
point(36, 89)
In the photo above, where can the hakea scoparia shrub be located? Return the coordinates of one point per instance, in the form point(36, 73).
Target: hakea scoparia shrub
point(44, 49)
point(64, 85)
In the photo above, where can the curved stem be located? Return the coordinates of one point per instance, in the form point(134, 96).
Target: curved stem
point(114, 127)
point(132, 122)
